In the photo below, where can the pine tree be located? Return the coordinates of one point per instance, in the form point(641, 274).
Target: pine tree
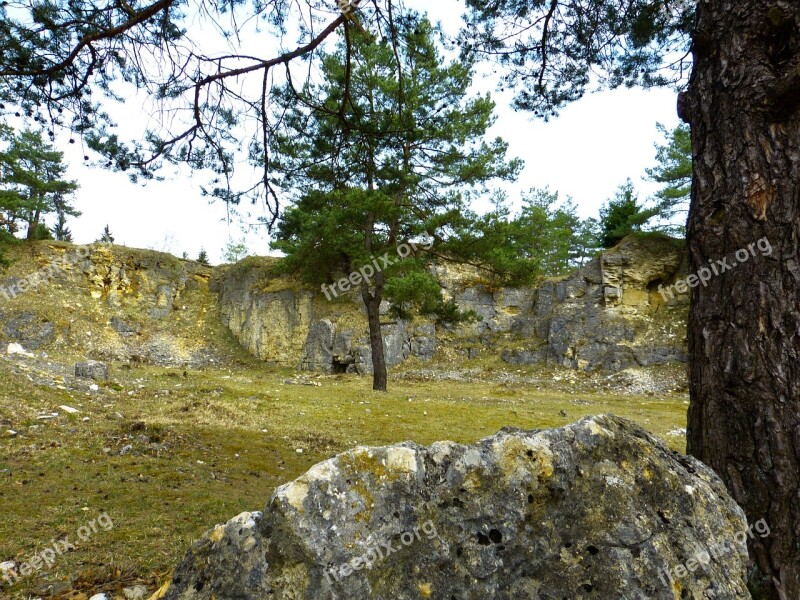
point(60, 230)
point(623, 215)
point(585, 242)
point(383, 167)
point(31, 179)
point(202, 257)
point(234, 251)
point(107, 238)
point(674, 171)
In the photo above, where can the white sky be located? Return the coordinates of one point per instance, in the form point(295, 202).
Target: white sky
point(589, 150)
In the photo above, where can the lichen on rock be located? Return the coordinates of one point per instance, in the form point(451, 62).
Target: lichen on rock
point(597, 509)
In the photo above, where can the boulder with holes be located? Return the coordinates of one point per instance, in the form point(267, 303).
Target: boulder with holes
point(597, 509)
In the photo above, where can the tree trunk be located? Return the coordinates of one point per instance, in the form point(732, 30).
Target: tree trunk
point(372, 302)
point(744, 324)
point(33, 223)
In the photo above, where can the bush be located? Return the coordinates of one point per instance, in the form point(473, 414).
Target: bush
point(42, 232)
point(6, 240)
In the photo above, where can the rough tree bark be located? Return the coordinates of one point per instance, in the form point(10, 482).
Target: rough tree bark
point(743, 104)
point(372, 302)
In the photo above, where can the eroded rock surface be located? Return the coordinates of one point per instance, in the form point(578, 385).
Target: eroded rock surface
point(107, 302)
point(607, 315)
point(597, 509)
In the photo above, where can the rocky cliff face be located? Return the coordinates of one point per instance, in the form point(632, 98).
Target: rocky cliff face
point(598, 509)
point(606, 315)
point(139, 304)
point(282, 322)
point(108, 302)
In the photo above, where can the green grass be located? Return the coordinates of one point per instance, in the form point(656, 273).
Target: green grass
point(225, 439)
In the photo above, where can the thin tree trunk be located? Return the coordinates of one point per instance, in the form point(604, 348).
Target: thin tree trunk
point(33, 223)
point(35, 215)
point(372, 302)
point(744, 326)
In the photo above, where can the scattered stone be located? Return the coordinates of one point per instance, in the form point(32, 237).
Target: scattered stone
point(92, 369)
point(599, 506)
point(125, 450)
point(302, 381)
point(123, 327)
point(69, 409)
point(94, 387)
point(137, 592)
point(17, 349)
point(99, 597)
point(12, 433)
point(677, 433)
point(27, 328)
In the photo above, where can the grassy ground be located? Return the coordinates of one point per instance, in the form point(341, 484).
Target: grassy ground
point(167, 455)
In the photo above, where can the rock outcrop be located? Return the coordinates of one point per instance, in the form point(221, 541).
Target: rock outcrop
point(106, 302)
point(606, 315)
point(281, 322)
point(597, 509)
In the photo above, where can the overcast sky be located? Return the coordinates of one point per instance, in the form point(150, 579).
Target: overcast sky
point(585, 153)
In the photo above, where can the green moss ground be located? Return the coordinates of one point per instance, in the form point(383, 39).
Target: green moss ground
point(224, 440)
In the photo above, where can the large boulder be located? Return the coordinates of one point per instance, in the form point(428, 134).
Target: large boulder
point(597, 509)
point(92, 369)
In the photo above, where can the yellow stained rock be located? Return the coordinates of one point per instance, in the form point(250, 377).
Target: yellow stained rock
point(218, 533)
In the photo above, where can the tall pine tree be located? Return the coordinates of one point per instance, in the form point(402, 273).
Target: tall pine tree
point(32, 182)
point(381, 154)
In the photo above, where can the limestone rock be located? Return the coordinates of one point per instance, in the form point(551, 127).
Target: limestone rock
point(102, 284)
point(597, 509)
point(136, 592)
point(272, 325)
point(92, 369)
point(608, 314)
point(27, 328)
point(123, 327)
point(317, 352)
point(14, 349)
